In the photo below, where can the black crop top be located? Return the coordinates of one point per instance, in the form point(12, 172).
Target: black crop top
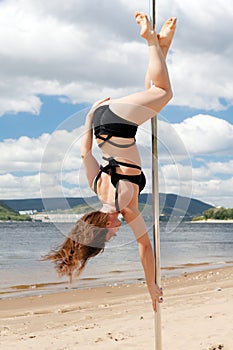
point(106, 122)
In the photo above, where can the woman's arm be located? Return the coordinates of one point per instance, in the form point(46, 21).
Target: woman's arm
point(135, 220)
point(148, 263)
point(87, 139)
point(90, 163)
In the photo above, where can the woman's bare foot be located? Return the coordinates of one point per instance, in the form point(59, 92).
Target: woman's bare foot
point(166, 35)
point(147, 32)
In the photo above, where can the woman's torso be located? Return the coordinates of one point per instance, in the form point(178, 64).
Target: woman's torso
point(128, 191)
point(128, 153)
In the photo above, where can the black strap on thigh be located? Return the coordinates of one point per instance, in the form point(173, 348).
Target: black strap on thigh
point(116, 198)
point(96, 180)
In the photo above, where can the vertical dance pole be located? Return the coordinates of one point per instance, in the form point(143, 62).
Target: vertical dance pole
point(155, 205)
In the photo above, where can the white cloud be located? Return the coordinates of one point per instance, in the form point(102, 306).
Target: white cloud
point(201, 79)
point(19, 186)
point(75, 49)
point(24, 154)
point(201, 64)
point(205, 134)
point(56, 152)
point(225, 168)
point(217, 192)
point(199, 135)
point(51, 49)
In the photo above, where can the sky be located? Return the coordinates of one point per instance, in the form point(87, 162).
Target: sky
point(59, 57)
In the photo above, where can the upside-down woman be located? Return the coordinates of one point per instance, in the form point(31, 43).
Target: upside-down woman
point(119, 179)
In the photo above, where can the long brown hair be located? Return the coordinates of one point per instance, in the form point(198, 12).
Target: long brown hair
point(85, 240)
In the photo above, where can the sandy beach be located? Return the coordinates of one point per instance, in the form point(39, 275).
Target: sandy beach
point(196, 314)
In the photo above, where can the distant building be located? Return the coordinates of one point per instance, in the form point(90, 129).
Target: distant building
point(27, 212)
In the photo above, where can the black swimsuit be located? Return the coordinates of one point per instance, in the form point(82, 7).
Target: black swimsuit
point(106, 122)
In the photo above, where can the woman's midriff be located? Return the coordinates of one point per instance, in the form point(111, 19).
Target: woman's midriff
point(127, 155)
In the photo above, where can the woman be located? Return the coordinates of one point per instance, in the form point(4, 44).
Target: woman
point(119, 180)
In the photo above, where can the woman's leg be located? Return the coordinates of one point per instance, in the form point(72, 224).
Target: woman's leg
point(166, 34)
point(157, 66)
point(132, 107)
point(165, 37)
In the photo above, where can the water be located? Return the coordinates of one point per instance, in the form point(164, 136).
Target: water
point(186, 248)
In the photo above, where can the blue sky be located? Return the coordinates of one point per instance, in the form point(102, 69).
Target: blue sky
point(52, 113)
point(54, 65)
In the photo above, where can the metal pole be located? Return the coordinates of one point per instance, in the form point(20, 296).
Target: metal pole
point(155, 206)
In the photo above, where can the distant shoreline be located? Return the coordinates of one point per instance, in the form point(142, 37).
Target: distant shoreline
point(72, 218)
point(213, 221)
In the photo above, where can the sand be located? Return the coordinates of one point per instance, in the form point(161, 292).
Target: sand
point(197, 314)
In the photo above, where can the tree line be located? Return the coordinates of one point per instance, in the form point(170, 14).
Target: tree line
point(216, 214)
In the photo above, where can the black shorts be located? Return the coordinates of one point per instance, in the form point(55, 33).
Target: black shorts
point(139, 180)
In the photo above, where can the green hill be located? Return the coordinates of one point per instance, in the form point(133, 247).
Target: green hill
point(7, 214)
point(170, 205)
